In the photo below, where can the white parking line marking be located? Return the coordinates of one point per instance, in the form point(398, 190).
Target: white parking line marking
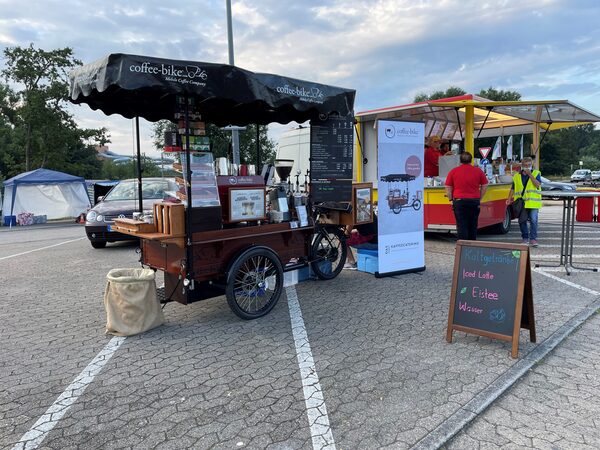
point(568, 283)
point(41, 248)
point(318, 420)
point(38, 432)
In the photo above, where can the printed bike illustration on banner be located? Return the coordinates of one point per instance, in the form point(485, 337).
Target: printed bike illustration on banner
point(397, 198)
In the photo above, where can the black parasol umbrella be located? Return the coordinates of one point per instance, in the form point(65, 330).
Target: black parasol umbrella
point(141, 86)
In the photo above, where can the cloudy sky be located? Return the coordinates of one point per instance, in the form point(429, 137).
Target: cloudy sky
point(388, 50)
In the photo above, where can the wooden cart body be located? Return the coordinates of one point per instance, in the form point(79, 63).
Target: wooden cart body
point(213, 252)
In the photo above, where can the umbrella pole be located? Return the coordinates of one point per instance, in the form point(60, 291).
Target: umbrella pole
point(188, 178)
point(139, 164)
point(257, 147)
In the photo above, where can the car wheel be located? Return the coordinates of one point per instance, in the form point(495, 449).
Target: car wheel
point(504, 226)
point(98, 244)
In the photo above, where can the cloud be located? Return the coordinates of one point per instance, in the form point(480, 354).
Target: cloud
point(388, 50)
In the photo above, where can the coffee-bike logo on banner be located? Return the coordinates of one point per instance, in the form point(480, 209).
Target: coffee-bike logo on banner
point(188, 74)
point(312, 95)
point(392, 131)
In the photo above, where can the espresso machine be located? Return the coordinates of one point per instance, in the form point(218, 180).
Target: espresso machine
point(280, 193)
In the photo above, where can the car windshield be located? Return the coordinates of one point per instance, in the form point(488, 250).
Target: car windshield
point(127, 190)
point(580, 172)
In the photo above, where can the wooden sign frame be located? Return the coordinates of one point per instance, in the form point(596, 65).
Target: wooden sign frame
point(524, 301)
point(351, 217)
point(355, 188)
point(232, 218)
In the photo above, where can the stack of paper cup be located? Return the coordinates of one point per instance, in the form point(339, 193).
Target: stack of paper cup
point(222, 166)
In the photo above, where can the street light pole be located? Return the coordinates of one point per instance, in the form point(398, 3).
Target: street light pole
point(235, 139)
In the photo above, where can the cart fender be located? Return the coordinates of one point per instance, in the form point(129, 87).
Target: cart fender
point(334, 227)
point(242, 252)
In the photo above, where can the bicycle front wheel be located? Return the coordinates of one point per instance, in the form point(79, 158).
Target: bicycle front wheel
point(328, 253)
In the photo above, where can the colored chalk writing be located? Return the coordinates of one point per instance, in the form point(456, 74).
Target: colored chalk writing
point(490, 277)
point(491, 281)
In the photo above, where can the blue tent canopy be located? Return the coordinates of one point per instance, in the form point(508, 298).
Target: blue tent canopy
point(39, 177)
point(43, 176)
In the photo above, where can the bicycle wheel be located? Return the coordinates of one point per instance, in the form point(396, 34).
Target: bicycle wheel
point(328, 253)
point(416, 205)
point(254, 283)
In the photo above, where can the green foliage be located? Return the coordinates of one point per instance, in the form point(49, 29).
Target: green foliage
point(248, 145)
point(221, 141)
point(499, 95)
point(591, 162)
point(125, 170)
point(39, 70)
point(158, 132)
point(563, 149)
point(36, 130)
point(452, 91)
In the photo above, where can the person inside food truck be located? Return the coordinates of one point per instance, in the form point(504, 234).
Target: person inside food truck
point(432, 156)
point(498, 166)
point(445, 148)
point(362, 236)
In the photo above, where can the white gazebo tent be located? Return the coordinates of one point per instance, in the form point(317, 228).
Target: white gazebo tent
point(46, 192)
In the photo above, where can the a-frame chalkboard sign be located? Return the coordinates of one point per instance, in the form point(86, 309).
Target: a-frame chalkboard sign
point(491, 292)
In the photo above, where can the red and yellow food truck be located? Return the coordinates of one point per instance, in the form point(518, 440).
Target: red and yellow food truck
point(461, 120)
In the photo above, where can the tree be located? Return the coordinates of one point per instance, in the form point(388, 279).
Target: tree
point(564, 148)
point(8, 152)
point(499, 95)
point(452, 91)
point(248, 145)
point(125, 170)
point(43, 133)
point(44, 77)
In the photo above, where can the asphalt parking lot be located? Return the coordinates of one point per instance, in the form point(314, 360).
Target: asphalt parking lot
point(356, 362)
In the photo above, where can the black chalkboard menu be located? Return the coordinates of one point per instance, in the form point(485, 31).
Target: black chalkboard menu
point(491, 291)
point(331, 152)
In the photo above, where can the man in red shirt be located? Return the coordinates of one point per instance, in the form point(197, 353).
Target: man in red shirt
point(432, 156)
point(465, 187)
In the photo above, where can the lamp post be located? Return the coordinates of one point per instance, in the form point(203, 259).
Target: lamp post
point(235, 139)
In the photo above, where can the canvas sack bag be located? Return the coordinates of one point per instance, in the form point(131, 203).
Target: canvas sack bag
point(130, 302)
point(519, 211)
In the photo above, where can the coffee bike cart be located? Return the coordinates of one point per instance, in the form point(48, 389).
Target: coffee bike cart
point(213, 242)
point(397, 198)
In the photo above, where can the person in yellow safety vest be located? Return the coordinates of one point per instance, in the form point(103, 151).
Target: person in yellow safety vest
point(527, 185)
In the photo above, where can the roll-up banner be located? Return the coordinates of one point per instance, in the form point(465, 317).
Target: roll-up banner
point(400, 191)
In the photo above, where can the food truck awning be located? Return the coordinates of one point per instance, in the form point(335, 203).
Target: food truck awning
point(141, 86)
point(491, 118)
